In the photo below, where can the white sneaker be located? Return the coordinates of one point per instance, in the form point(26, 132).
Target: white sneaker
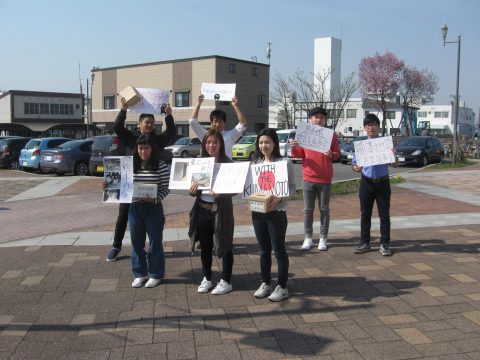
point(279, 294)
point(222, 288)
point(322, 244)
point(205, 285)
point(151, 283)
point(307, 244)
point(138, 282)
point(263, 291)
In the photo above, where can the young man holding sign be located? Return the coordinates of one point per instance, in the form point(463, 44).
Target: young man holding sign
point(317, 180)
point(374, 186)
point(218, 119)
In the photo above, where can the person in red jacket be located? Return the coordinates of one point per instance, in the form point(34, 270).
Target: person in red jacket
point(317, 180)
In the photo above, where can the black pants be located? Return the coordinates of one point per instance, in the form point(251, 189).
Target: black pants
point(205, 231)
point(121, 225)
point(370, 192)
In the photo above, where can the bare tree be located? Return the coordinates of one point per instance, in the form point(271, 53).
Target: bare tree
point(282, 96)
point(417, 87)
point(340, 99)
point(380, 77)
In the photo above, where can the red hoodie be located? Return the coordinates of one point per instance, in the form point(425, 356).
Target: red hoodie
point(317, 167)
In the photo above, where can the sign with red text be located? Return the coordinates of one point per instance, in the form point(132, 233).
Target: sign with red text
point(268, 178)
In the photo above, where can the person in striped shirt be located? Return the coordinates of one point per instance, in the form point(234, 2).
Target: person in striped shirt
point(146, 216)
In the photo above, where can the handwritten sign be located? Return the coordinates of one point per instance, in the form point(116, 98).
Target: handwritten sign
point(152, 101)
point(374, 151)
point(219, 92)
point(194, 170)
point(314, 137)
point(229, 178)
point(267, 178)
point(118, 177)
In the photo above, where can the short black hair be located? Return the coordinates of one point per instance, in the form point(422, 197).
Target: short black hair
point(371, 118)
point(218, 114)
point(143, 116)
point(152, 162)
point(317, 110)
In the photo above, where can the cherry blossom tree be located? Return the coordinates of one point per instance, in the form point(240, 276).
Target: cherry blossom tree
point(380, 78)
point(417, 87)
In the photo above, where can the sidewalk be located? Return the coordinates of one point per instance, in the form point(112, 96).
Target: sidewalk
point(66, 302)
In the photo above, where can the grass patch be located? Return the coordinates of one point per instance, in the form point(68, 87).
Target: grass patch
point(459, 164)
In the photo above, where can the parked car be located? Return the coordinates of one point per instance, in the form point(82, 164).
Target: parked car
point(104, 145)
point(30, 155)
point(346, 153)
point(420, 150)
point(10, 147)
point(284, 137)
point(244, 148)
point(69, 157)
point(186, 147)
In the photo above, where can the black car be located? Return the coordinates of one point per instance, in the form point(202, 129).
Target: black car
point(105, 145)
point(420, 150)
point(347, 151)
point(10, 147)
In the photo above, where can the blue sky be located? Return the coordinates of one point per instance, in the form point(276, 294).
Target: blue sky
point(43, 41)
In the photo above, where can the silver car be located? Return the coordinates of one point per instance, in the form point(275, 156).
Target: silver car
point(186, 147)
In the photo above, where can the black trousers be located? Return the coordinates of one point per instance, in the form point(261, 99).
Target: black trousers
point(121, 225)
point(205, 231)
point(369, 192)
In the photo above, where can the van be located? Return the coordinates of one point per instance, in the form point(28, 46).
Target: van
point(105, 145)
point(284, 137)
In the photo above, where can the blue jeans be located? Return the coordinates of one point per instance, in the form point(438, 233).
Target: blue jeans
point(320, 192)
point(370, 192)
point(270, 230)
point(147, 219)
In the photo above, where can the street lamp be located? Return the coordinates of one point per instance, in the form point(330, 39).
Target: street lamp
point(455, 121)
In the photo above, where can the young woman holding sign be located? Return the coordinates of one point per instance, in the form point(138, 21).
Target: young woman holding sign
point(211, 221)
point(271, 227)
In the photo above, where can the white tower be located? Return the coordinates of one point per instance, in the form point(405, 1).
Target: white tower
point(328, 57)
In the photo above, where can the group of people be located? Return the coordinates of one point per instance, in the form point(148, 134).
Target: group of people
point(211, 217)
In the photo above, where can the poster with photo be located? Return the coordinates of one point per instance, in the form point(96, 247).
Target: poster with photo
point(118, 178)
point(267, 178)
point(186, 171)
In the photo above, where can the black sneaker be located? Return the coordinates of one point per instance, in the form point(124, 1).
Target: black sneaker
point(362, 248)
point(385, 250)
point(113, 254)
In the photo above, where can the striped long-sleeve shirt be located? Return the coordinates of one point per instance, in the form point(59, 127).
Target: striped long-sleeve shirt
point(160, 177)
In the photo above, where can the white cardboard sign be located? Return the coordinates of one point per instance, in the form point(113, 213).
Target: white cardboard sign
point(374, 151)
point(152, 101)
point(269, 178)
point(118, 176)
point(219, 92)
point(229, 178)
point(184, 172)
point(314, 137)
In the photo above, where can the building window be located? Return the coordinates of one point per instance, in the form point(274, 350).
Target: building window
point(351, 113)
point(261, 99)
point(391, 115)
point(55, 109)
point(255, 71)
point(109, 102)
point(441, 114)
point(182, 99)
point(422, 114)
point(232, 68)
point(44, 109)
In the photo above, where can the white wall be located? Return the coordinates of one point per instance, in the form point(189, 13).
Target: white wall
point(5, 114)
point(328, 56)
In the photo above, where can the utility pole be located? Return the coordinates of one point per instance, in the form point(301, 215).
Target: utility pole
point(88, 113)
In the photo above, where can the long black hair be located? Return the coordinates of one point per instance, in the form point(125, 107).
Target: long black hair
point(222, 157)
point(272, 134)
point(152, 162)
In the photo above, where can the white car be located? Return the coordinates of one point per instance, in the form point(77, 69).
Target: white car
point(186, 147)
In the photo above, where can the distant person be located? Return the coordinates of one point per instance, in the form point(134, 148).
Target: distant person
point(271, 227)
point(218, 119)
point(317, 181)
point(374, 186)
point(146, 125)
point(211, 221)
point(146, 215)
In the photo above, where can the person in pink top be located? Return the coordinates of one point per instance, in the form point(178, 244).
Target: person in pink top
point(317, 180)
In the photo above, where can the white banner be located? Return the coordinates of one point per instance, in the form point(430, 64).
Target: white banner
point(219, 92)
point(374, 151)
point(269, 178)
point(152, 101)
point(314, 137)
point(229, 178)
